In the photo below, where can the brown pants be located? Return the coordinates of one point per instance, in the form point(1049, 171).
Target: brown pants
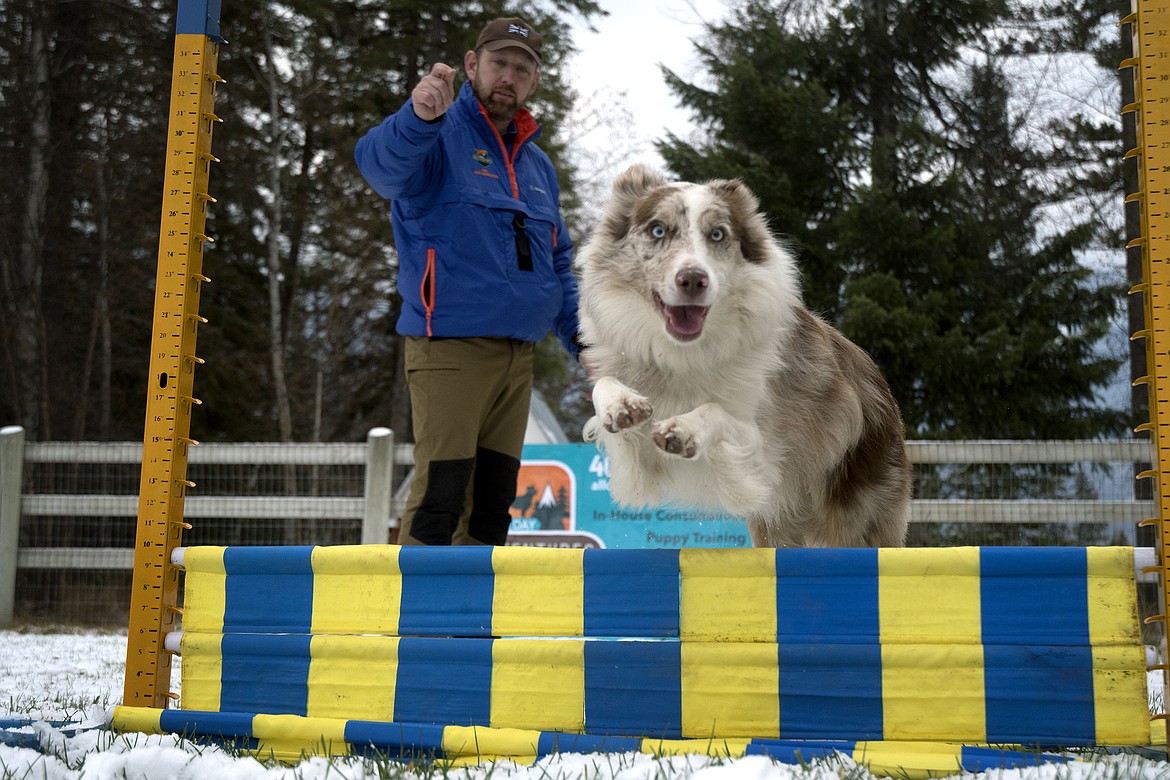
point(469, 404)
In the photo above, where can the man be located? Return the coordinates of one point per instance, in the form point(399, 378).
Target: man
point(484, 273)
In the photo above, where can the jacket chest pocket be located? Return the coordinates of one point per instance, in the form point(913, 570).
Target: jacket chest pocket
point(533, 241)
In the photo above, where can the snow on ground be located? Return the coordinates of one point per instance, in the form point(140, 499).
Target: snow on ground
point(64, 675)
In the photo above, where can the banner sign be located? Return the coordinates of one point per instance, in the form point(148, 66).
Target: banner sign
point(562, 500)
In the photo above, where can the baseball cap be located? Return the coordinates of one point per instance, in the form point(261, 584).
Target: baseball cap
point(510, 31)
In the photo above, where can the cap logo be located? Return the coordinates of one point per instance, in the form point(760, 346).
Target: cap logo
point(517, 29)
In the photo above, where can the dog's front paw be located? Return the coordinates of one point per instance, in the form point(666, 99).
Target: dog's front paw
point(628, 410)
point(674, 437)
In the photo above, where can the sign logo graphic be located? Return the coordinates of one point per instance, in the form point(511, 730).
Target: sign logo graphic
point(545, 497)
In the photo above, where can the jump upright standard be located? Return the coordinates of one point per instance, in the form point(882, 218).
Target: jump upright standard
point(169, 397)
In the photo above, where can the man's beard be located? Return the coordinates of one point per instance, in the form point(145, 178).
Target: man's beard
point(499, 109)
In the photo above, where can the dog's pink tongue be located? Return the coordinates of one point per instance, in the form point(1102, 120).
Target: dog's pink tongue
point(686, 320)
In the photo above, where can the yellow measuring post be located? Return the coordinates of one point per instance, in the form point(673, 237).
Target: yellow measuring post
point(153, 602)
point(1150, 66)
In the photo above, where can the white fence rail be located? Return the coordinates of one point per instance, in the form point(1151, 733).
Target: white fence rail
point(378, 455)
point(375, 508)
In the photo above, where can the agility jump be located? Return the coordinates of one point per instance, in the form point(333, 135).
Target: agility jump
point(890, 656)
point(522, 651)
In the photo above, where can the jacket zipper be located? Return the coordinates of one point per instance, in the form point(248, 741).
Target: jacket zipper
point(426, 289)
point(508, 159)
point(523, 252)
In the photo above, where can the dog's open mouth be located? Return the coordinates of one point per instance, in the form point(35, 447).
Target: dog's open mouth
point(685, 323)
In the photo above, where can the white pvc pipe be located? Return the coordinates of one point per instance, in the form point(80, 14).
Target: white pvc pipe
point(1145, 558)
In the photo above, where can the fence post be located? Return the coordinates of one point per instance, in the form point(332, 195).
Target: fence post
point(379, 486)
point(11, 476)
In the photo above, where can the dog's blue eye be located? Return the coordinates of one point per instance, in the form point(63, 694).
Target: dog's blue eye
point(717, 234)
point(658, 231)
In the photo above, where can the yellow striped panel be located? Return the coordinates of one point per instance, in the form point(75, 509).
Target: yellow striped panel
point(932, 655)
point(727, 595)
point(468, 761)
point(204, 589)
point(715, 748)
point(356, 589)
point(933, 692)
point(910, 760)
point(538, 592)
point(352, 677)
point(929, 595)
point(141, 719)
point(1119, 675)
point(538, 681)
point(1110, 586)
point(202, 671)
point(1119, 692)
point(461, 761)
point(291, 737)
point(484, 744)
point(730, 688)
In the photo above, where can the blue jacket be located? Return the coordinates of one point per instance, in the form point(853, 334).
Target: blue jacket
point(462, 207)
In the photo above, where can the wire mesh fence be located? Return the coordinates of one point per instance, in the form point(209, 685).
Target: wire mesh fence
point(1031, 493)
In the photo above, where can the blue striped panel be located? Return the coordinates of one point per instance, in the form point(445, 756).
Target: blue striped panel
point(268, 589)
point(830, 691)
point(631, 593)
point(827, 627)
point(552, 743)
point(1039, 695)
point(1026, 684)
point(797, 751)
point(827, 596)
point(265, 674)
point(1055, 609)
point(633, 688)
point(230, 729)
point(444, 681)
point(446, 591)
point(220, 724)
point(985, 759)
point(395, 738)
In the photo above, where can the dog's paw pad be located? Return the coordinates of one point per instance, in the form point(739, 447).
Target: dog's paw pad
point(675, 442)
point(627, 414)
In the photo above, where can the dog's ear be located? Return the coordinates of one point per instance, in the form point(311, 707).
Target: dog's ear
point(633, 183)
point(636, 181)
point(748, 223)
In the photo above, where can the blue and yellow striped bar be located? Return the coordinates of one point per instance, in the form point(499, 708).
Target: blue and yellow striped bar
point(702, 594)
point(1035, 646)
point(432, 591)
point(289, 738)
point(1039, 694)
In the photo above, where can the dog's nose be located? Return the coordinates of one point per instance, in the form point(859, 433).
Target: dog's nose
point(691, 282)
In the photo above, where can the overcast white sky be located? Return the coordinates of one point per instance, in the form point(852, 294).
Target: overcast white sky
point(624, 55)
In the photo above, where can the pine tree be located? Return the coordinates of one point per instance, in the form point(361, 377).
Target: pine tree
point(896, 170)
point(84, 85)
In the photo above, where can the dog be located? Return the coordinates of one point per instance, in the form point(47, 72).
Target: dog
point(715, 387)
